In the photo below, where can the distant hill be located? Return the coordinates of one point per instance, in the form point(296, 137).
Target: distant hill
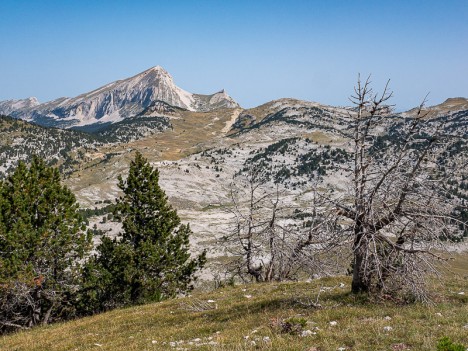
point(19, 140)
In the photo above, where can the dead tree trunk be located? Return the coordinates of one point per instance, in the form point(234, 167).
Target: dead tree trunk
point(398, 207)
point(360, 281)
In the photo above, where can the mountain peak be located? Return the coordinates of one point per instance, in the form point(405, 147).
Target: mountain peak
point(157, 69)
point(156, 72)
point(116, 101)
point(33, 100)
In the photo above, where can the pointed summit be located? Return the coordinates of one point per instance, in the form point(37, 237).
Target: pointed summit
point(118, 100)
point(158, 69)
point(157, 72)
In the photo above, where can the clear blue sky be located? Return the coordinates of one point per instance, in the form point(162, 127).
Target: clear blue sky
point(257, 50)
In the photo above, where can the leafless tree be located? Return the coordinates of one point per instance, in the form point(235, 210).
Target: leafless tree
point(396, 211)
point(264, 243)
point(25, 303)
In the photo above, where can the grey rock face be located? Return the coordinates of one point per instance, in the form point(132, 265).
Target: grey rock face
point(9, 106)
point(115, 101)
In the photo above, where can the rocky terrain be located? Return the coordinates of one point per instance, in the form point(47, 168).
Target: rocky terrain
point(114, 102)
point(202, 145)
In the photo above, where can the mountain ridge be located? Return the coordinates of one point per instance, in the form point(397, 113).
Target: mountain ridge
point(115, 101)
point(291, 143)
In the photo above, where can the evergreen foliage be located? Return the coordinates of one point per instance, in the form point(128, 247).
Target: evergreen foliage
point(42, 240)
point(68, 149)
point(150, 259)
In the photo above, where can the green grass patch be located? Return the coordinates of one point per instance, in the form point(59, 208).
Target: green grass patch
point(319, 315)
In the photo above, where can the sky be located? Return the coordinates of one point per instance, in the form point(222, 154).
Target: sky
point(257, 50)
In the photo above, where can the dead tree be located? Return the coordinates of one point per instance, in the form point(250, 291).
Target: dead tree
point(264, 243)
point(27, 303)
point(397, 211)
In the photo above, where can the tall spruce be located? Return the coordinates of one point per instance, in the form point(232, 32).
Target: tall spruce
point(42, 241)
point(150, 259)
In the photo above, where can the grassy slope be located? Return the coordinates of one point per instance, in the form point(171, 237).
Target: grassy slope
point(193, 132)
point(249, 311)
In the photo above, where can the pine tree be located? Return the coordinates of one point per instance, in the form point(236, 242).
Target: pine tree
point(42, 240)
point(150, 259)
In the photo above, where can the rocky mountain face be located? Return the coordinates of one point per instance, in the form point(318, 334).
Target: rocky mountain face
point(8, 107)
point(451, 105)
point(115, 102)
point(202, 145)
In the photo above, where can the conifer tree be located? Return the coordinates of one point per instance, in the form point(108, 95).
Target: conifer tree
point(42, 240)
point(150, 259)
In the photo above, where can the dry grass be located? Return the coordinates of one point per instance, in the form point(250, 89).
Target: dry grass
point(324, 138)
point(192, 132)
point(239, 315)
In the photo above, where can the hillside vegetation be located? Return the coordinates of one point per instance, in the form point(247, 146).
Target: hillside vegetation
point(316, 315)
